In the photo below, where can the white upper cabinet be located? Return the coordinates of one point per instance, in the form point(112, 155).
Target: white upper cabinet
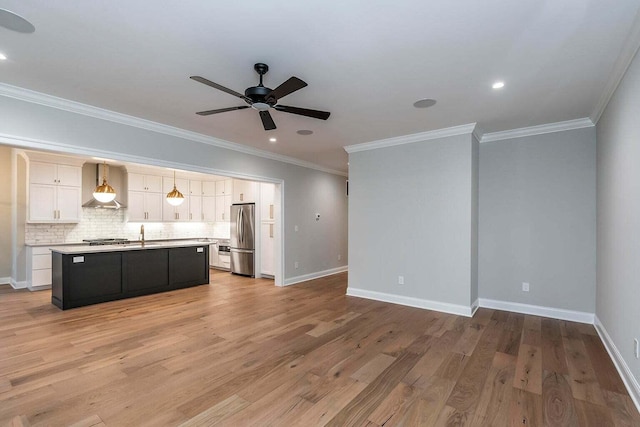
point(267, 192)
point(244, 191)
point(55, 192)
point(181, 184)
point(223, 188)
point(209, 188)
point(143, 182)
point(209, 208)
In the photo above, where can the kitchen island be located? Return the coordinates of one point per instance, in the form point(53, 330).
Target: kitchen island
point(84, 275)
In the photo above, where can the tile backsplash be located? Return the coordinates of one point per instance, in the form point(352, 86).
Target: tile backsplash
point(108, 223)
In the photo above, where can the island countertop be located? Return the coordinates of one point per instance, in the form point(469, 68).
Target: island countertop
point(133, 246)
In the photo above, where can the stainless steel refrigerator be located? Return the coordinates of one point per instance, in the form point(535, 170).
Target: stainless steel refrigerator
point(242, 238)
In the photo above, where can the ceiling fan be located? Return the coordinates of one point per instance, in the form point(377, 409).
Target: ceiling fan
point(262, 98)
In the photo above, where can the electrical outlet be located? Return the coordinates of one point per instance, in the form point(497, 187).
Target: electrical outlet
point(295, 265)
point(295, 228)
point(400, 280)
point(525, 287)
point(636, 346)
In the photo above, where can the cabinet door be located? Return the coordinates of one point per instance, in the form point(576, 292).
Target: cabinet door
point(69, 203)
point(182, 211)
point(209, 188)
point(42, 202)
point(213, 255)
point(220, 209)
point(195, 187)
point(266, 201)
point(154, 183)
point(209, 209)
point(42, 173)
point(195, 209)
point(168, 212)
point(136, 182)
point(135, 208)
point(220, 188)
point(153, 205)
point(243, 191)
point(266, 245)
point(70, 175)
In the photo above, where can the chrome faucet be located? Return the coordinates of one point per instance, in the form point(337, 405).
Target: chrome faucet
point(142, 233)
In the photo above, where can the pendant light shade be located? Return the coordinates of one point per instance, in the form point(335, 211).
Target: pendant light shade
point(104, 193)
point(175, 198)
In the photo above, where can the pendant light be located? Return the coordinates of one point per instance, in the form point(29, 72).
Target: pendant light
point(175, 197)
point(104, 193)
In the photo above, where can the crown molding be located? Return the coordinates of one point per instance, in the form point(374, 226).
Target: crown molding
point(410, 139)
point(537, 130)
point(124, 119)
point(622, 64)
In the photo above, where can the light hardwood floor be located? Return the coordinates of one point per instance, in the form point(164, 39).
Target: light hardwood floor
point(243, 352)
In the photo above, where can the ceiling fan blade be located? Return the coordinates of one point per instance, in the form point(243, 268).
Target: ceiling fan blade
point(219, 87)
point(221, 110)
point(322, 115)
point(267, 121)
point(290, 86)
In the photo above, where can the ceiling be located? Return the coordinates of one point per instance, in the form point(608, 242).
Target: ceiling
point(365, 61)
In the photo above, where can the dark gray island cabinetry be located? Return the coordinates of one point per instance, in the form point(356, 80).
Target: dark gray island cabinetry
point(84, 275)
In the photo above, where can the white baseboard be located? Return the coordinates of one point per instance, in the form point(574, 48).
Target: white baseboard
point(305, 277)
point(5, 280)
point(445, 307)
point(538, 310)
point(18, 285)
point(623, 369)
point(475, 306)
point(38, 288)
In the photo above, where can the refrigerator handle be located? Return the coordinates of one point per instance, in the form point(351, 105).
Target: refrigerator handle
point(239, 222)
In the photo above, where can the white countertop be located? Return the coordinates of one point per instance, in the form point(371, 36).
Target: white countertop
point(134, 246)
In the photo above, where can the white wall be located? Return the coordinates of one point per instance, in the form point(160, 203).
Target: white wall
point(410, 214)
point(306, 190)
point(538, 218)
point(618, 224)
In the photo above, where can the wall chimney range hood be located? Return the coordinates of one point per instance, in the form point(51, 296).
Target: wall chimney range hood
point(93, 203)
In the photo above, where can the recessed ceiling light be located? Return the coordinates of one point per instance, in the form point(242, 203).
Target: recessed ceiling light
point(272, 140)
point(2, 56)
point(304, 132)
point(498, 85)
point(424, 103)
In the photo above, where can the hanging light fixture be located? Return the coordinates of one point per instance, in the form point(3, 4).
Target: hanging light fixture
point(175, 198)
point(104, 193)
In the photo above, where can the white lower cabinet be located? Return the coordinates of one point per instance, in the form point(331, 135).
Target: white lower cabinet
point(39, 267)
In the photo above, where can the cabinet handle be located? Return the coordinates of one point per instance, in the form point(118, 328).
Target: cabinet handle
point(270, 230)
point(241, 197)
point(271, 212)
point(190, 216)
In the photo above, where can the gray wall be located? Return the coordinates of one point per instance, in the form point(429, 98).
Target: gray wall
point(410, 209)
point(5, 211)
point(537, 220)
point(306, 191)
point(618, 282)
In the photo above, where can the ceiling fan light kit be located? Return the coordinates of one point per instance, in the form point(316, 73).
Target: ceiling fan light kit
point(262, 98)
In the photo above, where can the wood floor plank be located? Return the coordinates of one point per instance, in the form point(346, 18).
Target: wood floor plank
point(553, 356)
point(528, 374)
point(495, 399)
point(526, 409)
point(242, 351)
point(584, 384)
point(558, 407)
